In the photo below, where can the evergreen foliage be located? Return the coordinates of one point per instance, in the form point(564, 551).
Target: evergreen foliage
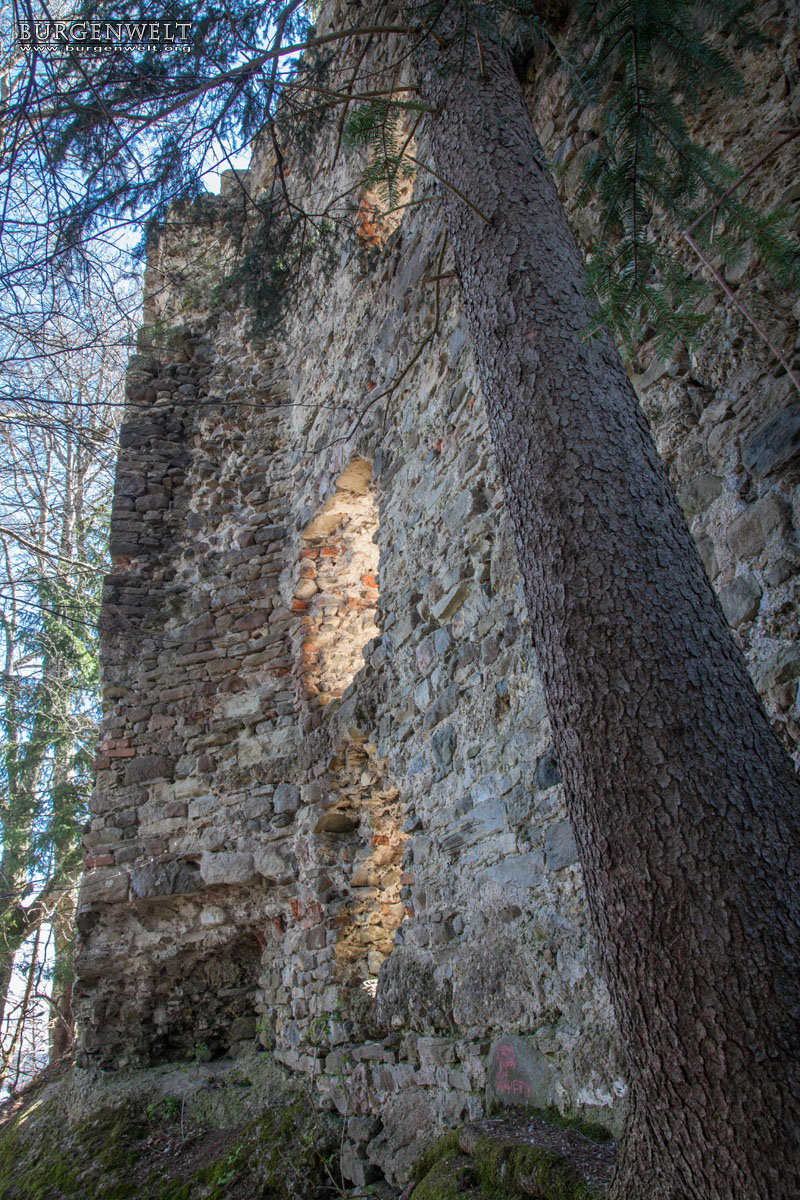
point(650, 67)
point(122, 135)
point(646, 67)
point(378, 127)
point(58, 451)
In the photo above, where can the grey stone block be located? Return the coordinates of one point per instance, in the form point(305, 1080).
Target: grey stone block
point(740, 599)
point(145, 767)
point(362, 1129)
point(547, 773)
point(104, 887)
point(518, 1074)
point(774, 444)
point(749, 532)
point(518, 870)
point(781, 667)
point(243, 1029)
point(708, 553)
point(273, 865)
point(699, 493)
point(443, 744)
point(452, 601)
point(165, 879)
point(227, 867)
point(442, 640)
point(286, 798)
point(560, 849)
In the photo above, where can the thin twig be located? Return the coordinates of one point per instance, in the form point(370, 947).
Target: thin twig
point(451, 187)
point(715, 207)
point(747, 315)
point(480, 54)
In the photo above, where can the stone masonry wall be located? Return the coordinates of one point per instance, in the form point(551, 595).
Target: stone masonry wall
point(328, 816)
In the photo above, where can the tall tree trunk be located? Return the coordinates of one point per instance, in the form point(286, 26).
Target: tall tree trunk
point(11, 1057)
point(7, 955)
point(684, 804)
point(15, 925)
point(61, 1019)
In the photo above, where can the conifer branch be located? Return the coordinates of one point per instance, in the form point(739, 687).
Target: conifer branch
point(713, 209)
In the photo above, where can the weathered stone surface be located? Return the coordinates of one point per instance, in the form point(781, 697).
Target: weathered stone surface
point(698, 493)
point(213, 915)
point(164, 879)
point(148, 766)
point(273, 865)
point(286, 798)
point(517, 871)
point(740, 598)
point(559, 846)
point(451, 601)
point(708, 553)
point(774, 444)
point(337, 821)
point(104, 886)
point(748, 534)
point(243, 1029)
point(227, 867)
point(443, 744)
point(780, 667)
point(518, 1074)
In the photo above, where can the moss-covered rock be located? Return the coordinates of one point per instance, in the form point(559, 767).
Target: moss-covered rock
point(451, 1178)
point(41, 1160)
point(524, 1171)
point(506, 1164)
point(445, 1147)
point(149, 1148)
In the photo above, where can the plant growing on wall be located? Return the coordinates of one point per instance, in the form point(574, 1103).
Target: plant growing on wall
point(683, 802)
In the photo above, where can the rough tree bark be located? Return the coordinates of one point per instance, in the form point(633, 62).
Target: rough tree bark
point(684, 804)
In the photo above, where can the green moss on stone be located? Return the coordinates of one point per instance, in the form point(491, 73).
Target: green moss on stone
point(44, 1174)
point(590, 1129)
point(450, 1178)
point(447, 1145)
point(496, 1171)
point(41, 1160)
point(290, 1150)
point(512, 1171)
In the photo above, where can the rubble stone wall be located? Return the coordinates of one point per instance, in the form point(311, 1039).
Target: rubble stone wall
point(328, 815)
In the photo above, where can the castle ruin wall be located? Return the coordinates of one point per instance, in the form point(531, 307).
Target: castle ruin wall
point(328, 817)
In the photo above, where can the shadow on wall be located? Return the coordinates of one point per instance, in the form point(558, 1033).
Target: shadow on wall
point(205, 1006)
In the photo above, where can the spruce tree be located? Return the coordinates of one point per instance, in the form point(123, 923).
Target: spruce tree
point(688, 839)
point(684, 804)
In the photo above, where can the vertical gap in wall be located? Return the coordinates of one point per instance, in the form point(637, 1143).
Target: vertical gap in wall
point(374, 909)
point(360, 838)
point(336, 588)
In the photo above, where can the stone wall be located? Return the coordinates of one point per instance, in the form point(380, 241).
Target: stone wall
point(725, 416)
point(328, 815)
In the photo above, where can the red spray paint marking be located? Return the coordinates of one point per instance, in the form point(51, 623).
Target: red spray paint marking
point(504, 1085)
